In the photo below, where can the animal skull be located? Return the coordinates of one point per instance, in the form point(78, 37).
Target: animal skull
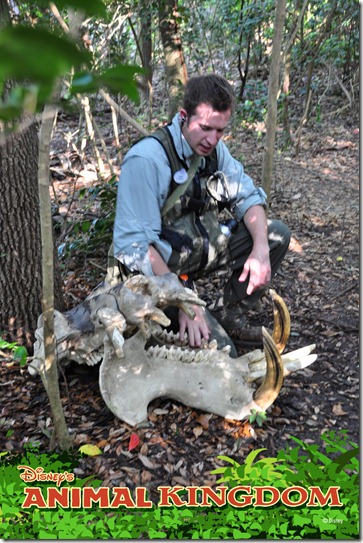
point(122, 327)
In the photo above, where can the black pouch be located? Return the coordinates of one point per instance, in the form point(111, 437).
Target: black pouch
point(180, 242)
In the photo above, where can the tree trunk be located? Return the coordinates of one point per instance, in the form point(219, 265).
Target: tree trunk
point(176, 72)
point(146, 48)
point(298, 15)
point(20, 276)
point(273, 89)
point(20, 244)
point(243, 73)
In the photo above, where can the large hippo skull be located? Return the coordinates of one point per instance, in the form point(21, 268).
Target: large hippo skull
point(123, 327)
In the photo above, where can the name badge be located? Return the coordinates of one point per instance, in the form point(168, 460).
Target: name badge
point(180, 176)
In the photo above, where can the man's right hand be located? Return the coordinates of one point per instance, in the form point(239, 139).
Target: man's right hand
point(197, 328)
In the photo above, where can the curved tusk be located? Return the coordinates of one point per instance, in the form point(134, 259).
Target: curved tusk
point(266, 394)
point(282, 321)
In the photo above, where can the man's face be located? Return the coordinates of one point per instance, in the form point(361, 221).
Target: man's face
point(204, 129)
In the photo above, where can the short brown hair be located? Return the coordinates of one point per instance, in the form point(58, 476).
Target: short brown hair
point(209, 89)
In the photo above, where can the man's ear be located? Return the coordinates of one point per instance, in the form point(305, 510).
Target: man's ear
point(183, 116)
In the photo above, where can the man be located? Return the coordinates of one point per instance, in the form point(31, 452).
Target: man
point(188, 238)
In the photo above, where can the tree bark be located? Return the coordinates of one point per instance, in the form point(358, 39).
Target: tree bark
point(176, 72)
point(146, 48)
point(299, 10)
point(273, 89)
point(20, 244)
point(20, 256)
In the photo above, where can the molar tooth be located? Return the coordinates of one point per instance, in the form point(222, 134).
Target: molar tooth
point(213, 345)
point(226, 349)
point(156, 350)
point(171, 353)
point(186, 356)
point(163, 351)
point(163, 334)
point(199, 356)
point(179, 353)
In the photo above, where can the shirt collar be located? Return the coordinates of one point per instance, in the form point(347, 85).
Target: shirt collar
point(181, 145)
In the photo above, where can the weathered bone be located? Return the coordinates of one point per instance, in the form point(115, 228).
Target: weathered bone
point(216, 383)
point(207, 379)
point(121, 326)
point(114, 311)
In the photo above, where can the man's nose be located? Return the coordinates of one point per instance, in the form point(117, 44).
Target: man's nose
point(213, 137)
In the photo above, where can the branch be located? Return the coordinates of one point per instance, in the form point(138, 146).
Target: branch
point(49, 369)
point(123, 113)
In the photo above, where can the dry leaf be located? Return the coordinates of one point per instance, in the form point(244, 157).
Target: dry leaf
point(146, 476)
point(90, 450)
point(204, 420)
point(329, 333)
point(198, 431)
point(147, 463)
point(134, 441)
point(337, 410)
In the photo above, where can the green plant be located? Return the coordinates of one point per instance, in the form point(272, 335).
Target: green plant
point(89, 235)
point(18, 352)
point(304, 465)
point(257, 416)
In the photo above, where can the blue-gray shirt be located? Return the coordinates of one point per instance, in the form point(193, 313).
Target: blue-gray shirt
point(143, 188)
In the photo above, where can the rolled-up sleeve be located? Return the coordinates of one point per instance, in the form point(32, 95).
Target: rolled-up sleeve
point(243, 193)
point(142, 190)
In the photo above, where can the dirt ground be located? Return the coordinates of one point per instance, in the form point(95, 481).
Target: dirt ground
point(317, 194)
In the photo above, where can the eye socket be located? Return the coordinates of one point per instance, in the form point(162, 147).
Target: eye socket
point(209, 129)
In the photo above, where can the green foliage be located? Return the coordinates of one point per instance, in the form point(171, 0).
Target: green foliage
point(86, 235)
point(304, 465)
point(257, 416)
point(116, 79)
point(18, 351)
point(38, 56)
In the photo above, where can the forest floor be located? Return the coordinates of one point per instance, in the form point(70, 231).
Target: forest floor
point(317, 194)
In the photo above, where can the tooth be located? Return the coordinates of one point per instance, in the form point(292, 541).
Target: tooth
point(163, 351)
point(186, 356)
point(156, 350)
point(213, 345)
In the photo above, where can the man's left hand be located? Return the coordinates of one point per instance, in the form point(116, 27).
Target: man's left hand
point(258, 268)
point(197, 328)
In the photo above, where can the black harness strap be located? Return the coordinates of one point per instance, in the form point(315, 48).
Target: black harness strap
point(164, 137)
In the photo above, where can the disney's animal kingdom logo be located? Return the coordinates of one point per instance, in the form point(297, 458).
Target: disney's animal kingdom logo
point(31, 475)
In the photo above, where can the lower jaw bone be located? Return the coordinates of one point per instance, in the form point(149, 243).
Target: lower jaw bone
point(216, 383)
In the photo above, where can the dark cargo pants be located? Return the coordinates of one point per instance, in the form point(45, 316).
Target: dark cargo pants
point(234, 257)
point(234, 299)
